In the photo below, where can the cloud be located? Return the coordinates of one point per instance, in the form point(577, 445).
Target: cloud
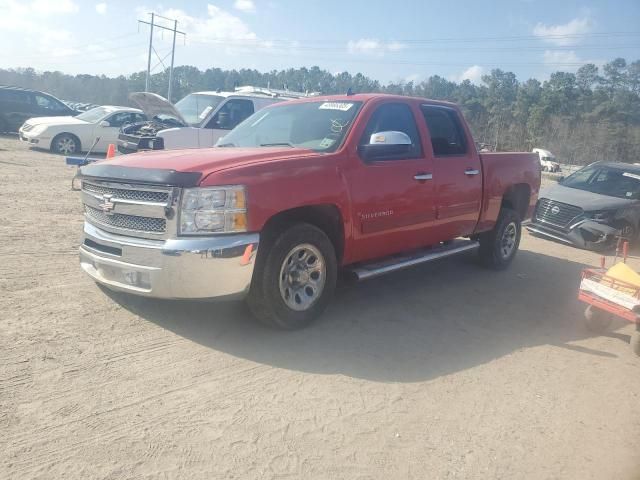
point(473, 74)
point(370, 46)
point(49, 7)
point(216, 26)
point(565, 34)
point(101, 8)
point(245, 5)
point(560, 57)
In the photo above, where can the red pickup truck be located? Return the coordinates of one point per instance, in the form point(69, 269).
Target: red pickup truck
point(368, 183)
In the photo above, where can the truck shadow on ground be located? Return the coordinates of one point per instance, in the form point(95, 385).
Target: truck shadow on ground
point(412, 325)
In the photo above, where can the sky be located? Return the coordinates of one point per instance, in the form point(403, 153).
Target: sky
point(389, 41)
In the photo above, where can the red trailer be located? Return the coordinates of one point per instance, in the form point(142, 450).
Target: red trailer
point(607, 297)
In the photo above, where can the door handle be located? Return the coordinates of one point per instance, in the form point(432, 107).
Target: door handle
point(471, 172)
point(423, 176)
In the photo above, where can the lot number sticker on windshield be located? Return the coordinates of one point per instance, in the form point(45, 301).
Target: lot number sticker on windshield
point(343, 107)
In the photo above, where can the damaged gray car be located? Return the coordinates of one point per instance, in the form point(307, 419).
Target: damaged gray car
point(592, 207)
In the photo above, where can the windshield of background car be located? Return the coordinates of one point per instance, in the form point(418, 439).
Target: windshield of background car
point(319, 126)
point(606, 181)
point(195, 108)
point(93, 115)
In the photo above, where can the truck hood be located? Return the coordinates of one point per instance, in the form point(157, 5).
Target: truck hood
point(190, 166)
point(588, 201)
point(153, 104)
point(55, 121)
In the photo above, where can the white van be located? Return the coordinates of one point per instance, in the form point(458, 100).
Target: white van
point(196, 121)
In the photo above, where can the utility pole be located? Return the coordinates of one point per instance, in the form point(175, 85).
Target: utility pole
point(146, 83)
point(173, 52)
point(175, 31)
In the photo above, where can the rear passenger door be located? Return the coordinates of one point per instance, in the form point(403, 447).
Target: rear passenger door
point(15, 108)
point(457, 172)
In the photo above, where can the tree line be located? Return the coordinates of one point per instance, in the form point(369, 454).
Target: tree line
point(590, 115)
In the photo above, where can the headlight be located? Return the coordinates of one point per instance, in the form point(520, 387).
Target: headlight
point(38, 129)
point(213, 210)
point(601, 216)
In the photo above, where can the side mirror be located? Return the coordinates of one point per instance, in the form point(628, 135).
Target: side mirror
point(386, 145)
point(104, 123)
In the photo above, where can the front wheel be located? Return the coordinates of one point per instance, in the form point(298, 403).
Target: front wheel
point(65, 144)
point(294, 279)
point(499, 246)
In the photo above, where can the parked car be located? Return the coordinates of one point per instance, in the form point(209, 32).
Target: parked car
point(69, 135)
point(196, 121)
point(591, 207)
point(19, 104)
point(548, 161)
point(369, 183)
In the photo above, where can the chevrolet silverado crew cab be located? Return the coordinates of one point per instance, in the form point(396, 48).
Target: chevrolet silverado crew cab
point(196, 121)
point(367, 183)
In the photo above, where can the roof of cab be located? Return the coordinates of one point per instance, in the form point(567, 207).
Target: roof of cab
point(366, 97)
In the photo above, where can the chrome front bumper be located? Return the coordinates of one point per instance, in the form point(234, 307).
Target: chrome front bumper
point(199, 267)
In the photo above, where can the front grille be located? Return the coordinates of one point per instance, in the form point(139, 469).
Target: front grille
point(556, 213)
point(127, 222)
point(125, 194)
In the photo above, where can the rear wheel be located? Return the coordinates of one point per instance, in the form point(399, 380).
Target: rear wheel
point(499, 246)
point(627, 231)
point(635, 342)
point(65, 144)
point(597, 320)
point(294, 279)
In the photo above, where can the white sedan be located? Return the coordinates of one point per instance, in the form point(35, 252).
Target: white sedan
point(69, 135)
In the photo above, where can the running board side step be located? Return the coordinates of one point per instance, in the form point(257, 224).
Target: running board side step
point(365, 271)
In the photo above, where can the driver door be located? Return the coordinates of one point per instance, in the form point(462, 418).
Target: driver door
point(108, 134)
point(228, 116)
point(392, 197)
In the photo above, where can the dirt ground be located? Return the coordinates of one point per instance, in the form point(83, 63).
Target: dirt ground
point(442, 371)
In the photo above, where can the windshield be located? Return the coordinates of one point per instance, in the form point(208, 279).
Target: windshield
point(319, 126)
point(606, 181)
point(194, 108)
point(94, 115)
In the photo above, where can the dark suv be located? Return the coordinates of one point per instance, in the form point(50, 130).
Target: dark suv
point(19, 104)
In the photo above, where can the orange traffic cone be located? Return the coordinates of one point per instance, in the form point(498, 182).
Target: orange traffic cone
point(111, 151)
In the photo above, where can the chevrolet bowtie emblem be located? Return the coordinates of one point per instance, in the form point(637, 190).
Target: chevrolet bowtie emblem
point(107, 205)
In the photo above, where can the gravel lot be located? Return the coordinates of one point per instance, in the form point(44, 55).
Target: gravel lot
point(442, 371)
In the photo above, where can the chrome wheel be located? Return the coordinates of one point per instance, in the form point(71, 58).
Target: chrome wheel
point(508, 240)
point(302, 277)
point(66, 145)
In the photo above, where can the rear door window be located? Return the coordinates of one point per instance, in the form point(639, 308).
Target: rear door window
point(445, 129)
point(13, 96)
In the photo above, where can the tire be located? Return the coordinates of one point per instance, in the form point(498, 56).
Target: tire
point(635, 342)
point(65, 144)
point(499, 246)
point(4, 126)
point(628, 231)
point(294, 278)
point(597, 320)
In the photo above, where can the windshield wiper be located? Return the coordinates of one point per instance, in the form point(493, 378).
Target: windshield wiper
point(222, 145)
point(277, 144)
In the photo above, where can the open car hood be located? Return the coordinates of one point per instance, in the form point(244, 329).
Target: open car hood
point(153, 104)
